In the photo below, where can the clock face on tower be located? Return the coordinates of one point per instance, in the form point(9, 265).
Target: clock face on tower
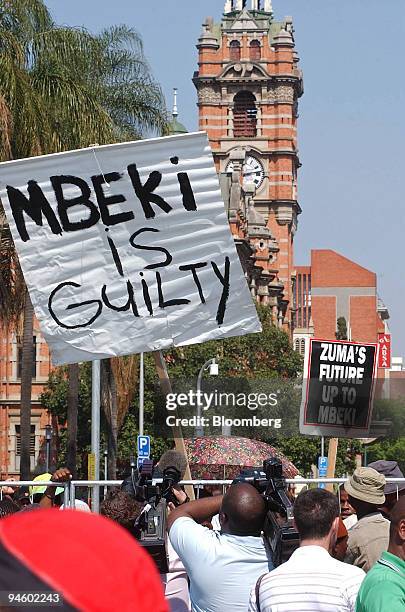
point(252, 171)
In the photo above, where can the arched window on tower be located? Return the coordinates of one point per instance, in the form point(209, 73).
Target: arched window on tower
point(244, 115)
point(254, 50)
point(234, 51)
point(299, 345)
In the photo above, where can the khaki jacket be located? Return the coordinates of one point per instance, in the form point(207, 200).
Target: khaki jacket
point(368, 538)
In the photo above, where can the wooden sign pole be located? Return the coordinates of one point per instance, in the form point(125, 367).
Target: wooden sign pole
point(332, 452)
point(166, 387)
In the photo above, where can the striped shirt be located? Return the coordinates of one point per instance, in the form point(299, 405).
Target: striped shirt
point(310, 581)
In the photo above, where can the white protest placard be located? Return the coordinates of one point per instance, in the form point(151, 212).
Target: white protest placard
point(127, 248)
point(338, 388)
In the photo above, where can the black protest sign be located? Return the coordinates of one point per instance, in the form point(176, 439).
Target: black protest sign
point(338, 388)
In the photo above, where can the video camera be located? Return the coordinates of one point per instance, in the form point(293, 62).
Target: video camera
point(279, 531)
point(150, 527)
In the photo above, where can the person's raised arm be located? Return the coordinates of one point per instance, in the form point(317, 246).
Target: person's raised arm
point(199, 510)
point(61, 475)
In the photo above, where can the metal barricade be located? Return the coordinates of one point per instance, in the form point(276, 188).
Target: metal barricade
point(70, 487)
point(35, 483)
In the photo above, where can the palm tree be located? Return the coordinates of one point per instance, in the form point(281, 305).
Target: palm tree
point(119, 377)
point(62, 88)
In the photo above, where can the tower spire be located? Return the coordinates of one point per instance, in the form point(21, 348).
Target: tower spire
point(175, 127)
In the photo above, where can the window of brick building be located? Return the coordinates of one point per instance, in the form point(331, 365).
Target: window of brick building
point(234, 51)
point(244, 115)
point(19, 357)
point(254, 50)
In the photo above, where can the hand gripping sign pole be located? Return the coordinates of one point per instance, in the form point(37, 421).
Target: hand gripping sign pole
point(166, 387)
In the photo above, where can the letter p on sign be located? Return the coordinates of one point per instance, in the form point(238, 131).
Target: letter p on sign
point(144, 446)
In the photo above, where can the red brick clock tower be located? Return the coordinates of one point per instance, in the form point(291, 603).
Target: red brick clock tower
point(248, 85)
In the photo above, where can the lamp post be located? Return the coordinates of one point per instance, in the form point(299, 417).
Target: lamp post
point(141, 393)
point(95, 430)
point(212, 366)
point(48, 440)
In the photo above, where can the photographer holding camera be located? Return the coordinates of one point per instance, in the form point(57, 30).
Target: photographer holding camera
point(222, 566)
point(139, 508)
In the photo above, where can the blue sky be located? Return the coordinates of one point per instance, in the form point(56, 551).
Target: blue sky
point(351, 130)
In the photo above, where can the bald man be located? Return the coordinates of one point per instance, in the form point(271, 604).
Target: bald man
point(222, 566)
point(383, 589)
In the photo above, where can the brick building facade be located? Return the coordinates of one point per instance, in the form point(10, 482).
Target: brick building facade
point(10, 394)
point(332, 288)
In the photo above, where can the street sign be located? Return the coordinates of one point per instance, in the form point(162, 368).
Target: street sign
point(140, 461)
point(322, 465)
point(384, 351)
point(143, 447)
point(91, 466)
point(322, 470)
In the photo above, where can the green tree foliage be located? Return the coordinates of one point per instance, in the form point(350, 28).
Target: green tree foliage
point(265, 355)
point(55, 399)
point(268, 354)
point(392, 412)
point(305, 450)
point(341, 333)
point(392, 446)
point(63, 88)
point(388, 449)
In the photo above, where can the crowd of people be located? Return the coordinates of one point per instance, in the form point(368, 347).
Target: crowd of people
point(350, 557)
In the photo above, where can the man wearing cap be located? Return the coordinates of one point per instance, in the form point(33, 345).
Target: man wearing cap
point(384, 586)
point(393, 490)
point(369, 537)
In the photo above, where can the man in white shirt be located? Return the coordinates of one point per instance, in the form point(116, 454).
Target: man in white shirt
point(311, 579)
point(222, 565)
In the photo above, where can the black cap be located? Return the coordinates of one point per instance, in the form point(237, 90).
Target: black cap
point(390, 469)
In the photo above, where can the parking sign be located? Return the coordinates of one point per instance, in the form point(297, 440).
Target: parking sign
point(144, 447)
point(322, 470)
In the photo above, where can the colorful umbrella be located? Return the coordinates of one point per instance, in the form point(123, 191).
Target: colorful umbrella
point(222, 457)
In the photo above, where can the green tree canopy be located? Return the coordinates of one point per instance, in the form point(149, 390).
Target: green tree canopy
point(63, 88)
